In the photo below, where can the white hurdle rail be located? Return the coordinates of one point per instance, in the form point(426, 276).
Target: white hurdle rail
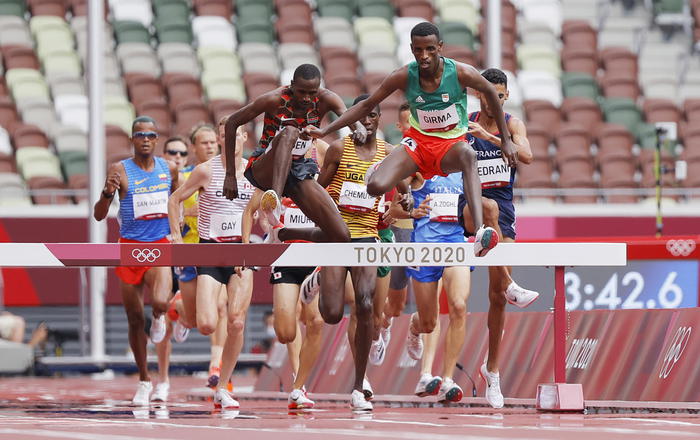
point(557, 255)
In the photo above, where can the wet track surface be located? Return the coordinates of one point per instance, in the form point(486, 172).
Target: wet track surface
point(82, 408)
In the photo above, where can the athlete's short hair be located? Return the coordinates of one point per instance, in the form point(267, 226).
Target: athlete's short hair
point(362, 98)
point(141, 120)
point(174, 139)
point(425, 29)
point(306, 71)
point(495, 76)
point(404, 107)
point(198, 128)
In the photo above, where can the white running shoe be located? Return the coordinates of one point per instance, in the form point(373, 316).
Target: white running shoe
point(161, 392)
point(486, 239)
point(273, 236)
point(493, 387)
point(367, 389)
point(143, 393)
point(299, 400)
point(271, 206)
point(428, 385)
point(180, 332)
point(520, 297)
point(414, 345)
point(377, 351)
point(386, 333)
point(224, 400)
point(311, 286)
point(158, 329)
point(449, 391)
point(358, 402)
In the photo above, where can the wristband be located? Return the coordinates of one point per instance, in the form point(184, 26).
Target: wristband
point(107, 196)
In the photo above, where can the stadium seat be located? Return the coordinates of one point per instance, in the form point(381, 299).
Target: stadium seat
point(454, 33)
point(543, 11)
point(579, 33)
point(580, 59)
point(543, 113)
point(573, 143)
point(63, 63)
point(39, 113)
point(540, 85)
point(220, 61)
point(8, 112)
point(72, 110)
point(294, 31)
point(214, 32)
point(13, 191)
point(157, 108)
point(344, 9)
point(540, 139)
point(38, 183)
point(144, 87)
point(459, 53)
point(220, 8)
point(131, 32)
point(462, 11)
point(620, 86)
point(258, 57)
point(27, 84)
point(67, 138)
point(14, 31)
point(178, 58)
point(537, 174)
point(258, 83)
point(539, 58)
point(577, 174)
point(377, 59)
point(248, 9)
point(28, 135)
point(584, 112)
point(537, 34)
point(661, 110)
point(133, 10)
point(335, 32)
point(347, 85)
point(225, 89)
point(338, 60)
point(256, 31)
point(617, 59)
point(19, 57)
point(662, 86)
point(119, 112)
point(577, 84)
point(173, 32)
point(375, 32)
point(117, 143)
point(188, 114)
point(376, 8)
point(614, 143)
point(38, 162)
point(181, 88)
point(291, 55)
point(13, 7)
point(622, 111)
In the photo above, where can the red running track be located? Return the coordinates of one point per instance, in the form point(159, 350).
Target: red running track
point(86, 409)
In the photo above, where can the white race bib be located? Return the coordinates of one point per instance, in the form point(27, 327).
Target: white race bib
point(382, 204)
point(301, 146)
point(149, 206)
point(295, 218)
point(438, 120)
point(443, 207)
point(354, 197)
point(225, 227)
point(493, 173)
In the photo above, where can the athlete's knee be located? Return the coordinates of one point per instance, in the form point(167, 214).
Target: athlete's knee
point(314, 325)
point(468, 155)
point(136, 320)
point(331, 313)
point(458, 310)
point(341, 235)
point(286, 334)
point(288, 134)
point(427, 323)
point(206, 328)
point(491, 213)
point(236, 323)
point(363, 306)
point(497, 298)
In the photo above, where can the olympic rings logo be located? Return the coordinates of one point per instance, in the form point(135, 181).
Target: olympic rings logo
point(145, 255)
point(675, 350)
point(680, 248)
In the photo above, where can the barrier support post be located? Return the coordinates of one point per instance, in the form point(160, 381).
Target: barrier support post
point(559, 396)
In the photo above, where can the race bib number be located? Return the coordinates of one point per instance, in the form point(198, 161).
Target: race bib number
point(149, 206)
point(354, 197)
point(295, 218)
point(301, 146)
point(409, 143)
point(225, 227)
point(493, 173)
point(438, 120)
point(443, 207)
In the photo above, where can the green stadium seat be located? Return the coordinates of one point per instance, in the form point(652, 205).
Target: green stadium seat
point(253, 10)
point(579, 84)
point(73, 163)
point(256, 31)
point(376, 8)
point(172, 10)
point(622, 111)
point(337, 8)
point(174, 32)
point(131, 32)
point(457, 34)
point(13, 7)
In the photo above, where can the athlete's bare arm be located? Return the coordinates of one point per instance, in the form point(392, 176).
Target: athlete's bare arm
point(395, 81)
point(263, 103)
point(116, 181)
point(336, 104)
point(471, 78)
point(330, 163)
point(519, 134)
point(199, 179)
point(248, 215)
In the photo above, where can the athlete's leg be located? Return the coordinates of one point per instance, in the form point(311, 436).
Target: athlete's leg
point(188, 313)
point(315, 202)
point(272, 168)
point(207, 299)
point(395, 167)
point(159, 280)
point(285, 297)
point(380, 295)
point(132, 298)
point(311, 345)
point(430, 344)
point(331, 301)
point(163, 349)
point(461, 157)
point(425, 318)
point(497, 311)
point(456, 280)
point(218, 338)
point(363, 281)
point(240, 290)
point(349, 293)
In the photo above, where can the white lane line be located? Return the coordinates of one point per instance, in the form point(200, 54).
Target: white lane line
point(71, 435)
point(660, 421)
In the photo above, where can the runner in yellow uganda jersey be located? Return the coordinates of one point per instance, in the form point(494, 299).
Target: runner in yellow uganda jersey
point(343, 173)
